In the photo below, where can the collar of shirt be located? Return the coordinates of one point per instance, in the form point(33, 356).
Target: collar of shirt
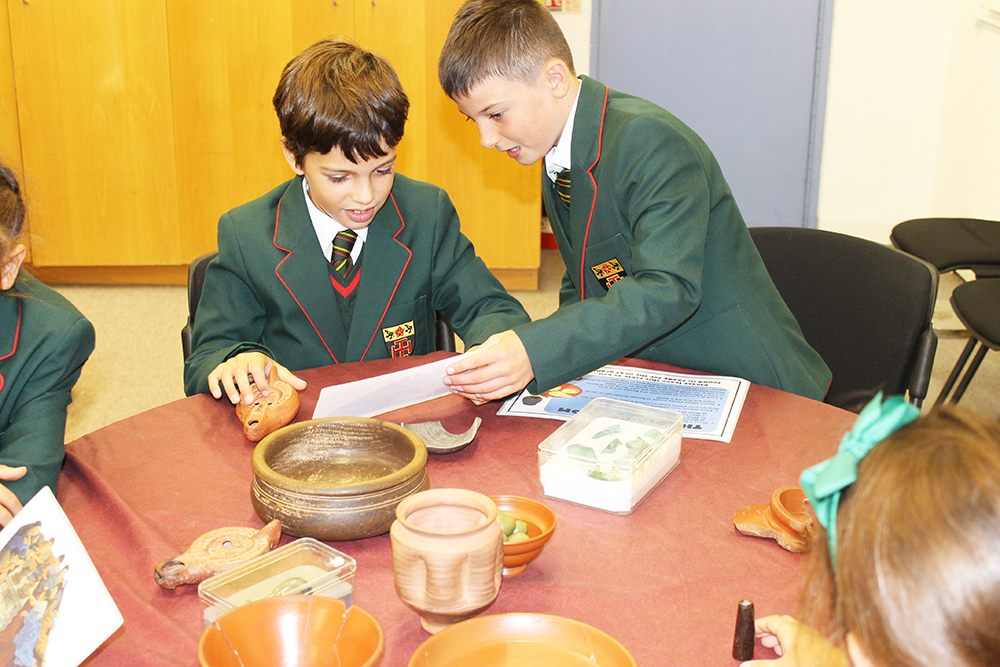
point(558, 158)
point(327, 228)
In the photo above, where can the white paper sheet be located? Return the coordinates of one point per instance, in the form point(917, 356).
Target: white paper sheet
point(383, 393)
point(45, 561)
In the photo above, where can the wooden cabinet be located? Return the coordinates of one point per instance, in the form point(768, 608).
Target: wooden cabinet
point(137, 123)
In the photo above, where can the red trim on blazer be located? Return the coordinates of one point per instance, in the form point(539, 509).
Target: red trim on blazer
point(277, 218)
point(401, 274)
point(345, 290)
point(593, 204)
point(17, 335)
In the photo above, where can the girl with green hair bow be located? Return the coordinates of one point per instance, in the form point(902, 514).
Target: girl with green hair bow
point(905, 569)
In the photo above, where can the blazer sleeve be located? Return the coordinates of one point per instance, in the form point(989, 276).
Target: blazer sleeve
point(230, 317)
point(35, 436)
point(661, 189)
point(463, 288)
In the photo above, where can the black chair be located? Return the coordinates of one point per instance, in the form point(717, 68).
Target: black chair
point(444, 336)
point(865, 308)
point(196, 280)
point(977, 305)
point(952, 243)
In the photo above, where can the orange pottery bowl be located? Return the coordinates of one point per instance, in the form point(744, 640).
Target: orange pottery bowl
point(520, 640)
point(541, 524)
point(292, 631)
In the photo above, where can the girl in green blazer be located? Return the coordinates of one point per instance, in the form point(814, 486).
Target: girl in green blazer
point(44, 342)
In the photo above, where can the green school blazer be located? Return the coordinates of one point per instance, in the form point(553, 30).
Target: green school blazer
point(659, 262)
point(44, 342)
point(270, 288)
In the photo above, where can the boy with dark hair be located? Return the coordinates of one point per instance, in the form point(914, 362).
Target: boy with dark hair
point(660, 264)
point(347, 261)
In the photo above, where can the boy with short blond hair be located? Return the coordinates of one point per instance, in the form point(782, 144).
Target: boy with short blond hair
point(660, 264)
point(348, 261)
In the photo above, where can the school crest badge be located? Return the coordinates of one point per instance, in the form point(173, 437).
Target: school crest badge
point(608, 273)
point(399, 339)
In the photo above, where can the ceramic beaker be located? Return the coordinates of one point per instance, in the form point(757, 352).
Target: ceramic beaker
point(447, 555)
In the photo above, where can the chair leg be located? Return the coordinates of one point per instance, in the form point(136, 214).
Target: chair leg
point(956, 371)
point(967, 378)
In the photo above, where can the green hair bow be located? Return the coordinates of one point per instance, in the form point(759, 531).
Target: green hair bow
point(824, 482)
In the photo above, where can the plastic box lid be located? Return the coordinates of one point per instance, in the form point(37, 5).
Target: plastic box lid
point(610, 455)
point(303, 567)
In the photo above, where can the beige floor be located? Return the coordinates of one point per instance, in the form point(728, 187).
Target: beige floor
point(137, 362)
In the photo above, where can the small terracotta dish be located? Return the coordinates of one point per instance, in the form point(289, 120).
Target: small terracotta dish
point(784, 519)
point(337, 479)
point(519, 640)
point(292, 631)
point(541, 524)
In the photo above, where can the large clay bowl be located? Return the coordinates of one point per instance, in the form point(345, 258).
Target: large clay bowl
point(292, 631)
point(337, 479)
point(541, 522)
point(521, 640)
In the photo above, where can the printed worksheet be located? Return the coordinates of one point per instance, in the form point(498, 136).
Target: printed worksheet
point(710, 404)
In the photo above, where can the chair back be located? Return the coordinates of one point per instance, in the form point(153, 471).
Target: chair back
point(196, 280)
point(952, 243)
point(864, 307)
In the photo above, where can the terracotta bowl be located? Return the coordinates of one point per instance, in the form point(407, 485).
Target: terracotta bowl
point(518, 640)
point(297, 630)
point(541, 524)
point(337, 479)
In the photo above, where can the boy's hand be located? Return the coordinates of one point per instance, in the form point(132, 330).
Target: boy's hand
point(9, 504)
point(797, 645)
point(235, 375)
point(497, 368)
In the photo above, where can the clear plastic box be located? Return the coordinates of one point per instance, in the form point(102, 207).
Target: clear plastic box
point(303, 567)
point(610, 455)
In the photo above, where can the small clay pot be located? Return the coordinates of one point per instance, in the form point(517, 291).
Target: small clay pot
point(784, 519)
point(268, 413)
point(447, 555)
point(541, 522)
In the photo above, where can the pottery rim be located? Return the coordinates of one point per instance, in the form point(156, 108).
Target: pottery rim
point(261, 469)
point(438, 497)
point(784, 502)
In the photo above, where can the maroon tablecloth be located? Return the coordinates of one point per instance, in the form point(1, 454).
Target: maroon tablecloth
point(665, 581)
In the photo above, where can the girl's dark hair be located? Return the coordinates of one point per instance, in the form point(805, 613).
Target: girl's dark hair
point(337, 94)
point(11, 211)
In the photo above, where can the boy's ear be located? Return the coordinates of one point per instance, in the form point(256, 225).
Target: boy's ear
point(11, 266)
point(559, 77)
point(290, 158)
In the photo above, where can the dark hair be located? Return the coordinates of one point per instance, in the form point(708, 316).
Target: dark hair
point(918, 548)
point(507, 38)
point(337, 94)
point(11, 211)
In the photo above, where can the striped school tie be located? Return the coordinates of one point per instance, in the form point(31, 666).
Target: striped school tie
point(562, 187)
point(342, 244)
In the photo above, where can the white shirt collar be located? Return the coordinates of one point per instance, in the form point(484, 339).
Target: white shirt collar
point(558, 158)
point(327, 228)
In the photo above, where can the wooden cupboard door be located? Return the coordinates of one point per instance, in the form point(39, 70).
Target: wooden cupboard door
point(498, 201)
point(96, 131)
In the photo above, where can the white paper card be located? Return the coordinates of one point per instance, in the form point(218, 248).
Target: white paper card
point(384, 393)
point(53, 603)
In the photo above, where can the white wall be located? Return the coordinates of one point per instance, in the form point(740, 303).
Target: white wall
point(913, 115)
point(576, 27)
